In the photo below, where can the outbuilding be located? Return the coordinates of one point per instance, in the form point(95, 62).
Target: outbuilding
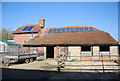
point(71, 41)
point(76, 41)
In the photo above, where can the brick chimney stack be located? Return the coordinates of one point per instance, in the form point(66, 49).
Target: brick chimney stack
point(41, 22)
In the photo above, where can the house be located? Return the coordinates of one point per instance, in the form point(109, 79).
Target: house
point(27, 32)
point(71, 41)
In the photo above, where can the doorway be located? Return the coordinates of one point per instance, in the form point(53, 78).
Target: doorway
point(50, 52)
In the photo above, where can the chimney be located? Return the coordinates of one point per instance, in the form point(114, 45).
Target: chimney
point(41, 22)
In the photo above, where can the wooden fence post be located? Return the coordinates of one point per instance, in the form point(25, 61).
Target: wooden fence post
point(102, 63)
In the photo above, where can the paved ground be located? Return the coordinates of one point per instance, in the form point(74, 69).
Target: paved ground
point(37, 65)
point(51, 64)
point(47, 75)
point(47, 70)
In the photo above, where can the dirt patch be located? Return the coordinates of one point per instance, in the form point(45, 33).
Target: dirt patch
point(48, 66)
point(36, 65)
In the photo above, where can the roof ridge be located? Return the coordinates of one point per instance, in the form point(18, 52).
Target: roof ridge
point(29, 24)
point(69, 26)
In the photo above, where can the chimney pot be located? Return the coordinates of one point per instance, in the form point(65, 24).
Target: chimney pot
point(41, 22)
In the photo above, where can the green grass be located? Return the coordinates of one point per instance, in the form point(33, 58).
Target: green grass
point(2, 64)
point(104, 61)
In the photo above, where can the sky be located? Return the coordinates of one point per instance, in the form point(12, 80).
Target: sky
point(101, 15)
point(60, 0)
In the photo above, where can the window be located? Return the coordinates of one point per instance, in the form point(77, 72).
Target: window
point(104, 48)
point(85, 48)
point(64, 50)
point(32, 35)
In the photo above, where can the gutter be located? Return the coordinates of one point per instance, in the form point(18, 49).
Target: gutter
point(41, 45)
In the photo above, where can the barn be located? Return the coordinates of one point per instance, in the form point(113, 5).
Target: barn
point(76, 41)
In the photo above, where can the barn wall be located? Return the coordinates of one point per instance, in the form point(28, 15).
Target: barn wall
point(56, 52)
point(95, 52)
point(74, 51)
point(44, 52)
point(114, 51)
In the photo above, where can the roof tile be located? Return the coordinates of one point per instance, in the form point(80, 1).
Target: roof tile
point(36, 28)
point(81, 37)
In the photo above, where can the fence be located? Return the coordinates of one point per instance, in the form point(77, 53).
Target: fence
point(69, 61)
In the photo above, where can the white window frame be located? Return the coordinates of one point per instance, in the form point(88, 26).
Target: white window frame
point(31, 35)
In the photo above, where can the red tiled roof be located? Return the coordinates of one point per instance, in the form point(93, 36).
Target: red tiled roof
point(81, 37)
point(68, 27)
point(36, 28)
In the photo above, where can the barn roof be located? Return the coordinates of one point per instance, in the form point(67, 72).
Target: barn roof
point(72, 38)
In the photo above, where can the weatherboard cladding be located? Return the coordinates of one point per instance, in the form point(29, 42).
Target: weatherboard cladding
point(80, 37)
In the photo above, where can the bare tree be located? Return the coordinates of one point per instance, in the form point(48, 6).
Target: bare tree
point(6, 34)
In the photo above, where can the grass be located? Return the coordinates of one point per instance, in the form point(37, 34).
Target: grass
point(104, 61)
point(2, 64)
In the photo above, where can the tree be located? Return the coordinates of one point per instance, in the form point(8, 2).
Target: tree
point(6, 34)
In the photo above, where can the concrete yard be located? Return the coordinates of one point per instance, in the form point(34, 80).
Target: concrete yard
point(47, 70)
point(51, 64)
point(37, 65)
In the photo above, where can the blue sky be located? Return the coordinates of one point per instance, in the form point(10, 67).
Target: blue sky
point(101, 15)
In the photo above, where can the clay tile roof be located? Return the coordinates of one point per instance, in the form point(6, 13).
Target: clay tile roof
point(81, 37)
point(68, 27)
point(36, 28)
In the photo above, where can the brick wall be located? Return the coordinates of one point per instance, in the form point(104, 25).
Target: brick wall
point(22, 38)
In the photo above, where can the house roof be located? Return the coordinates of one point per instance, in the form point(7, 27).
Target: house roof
point(36, 28)
point(9, 42)
point(80, 37)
